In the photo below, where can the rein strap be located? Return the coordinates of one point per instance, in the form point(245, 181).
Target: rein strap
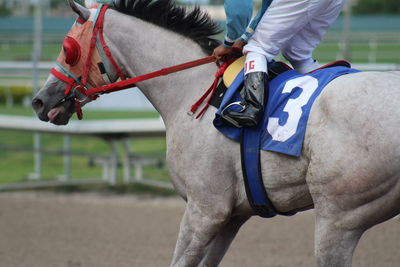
point(128, 83)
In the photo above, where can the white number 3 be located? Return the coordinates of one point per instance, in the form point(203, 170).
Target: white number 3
point(281, 133)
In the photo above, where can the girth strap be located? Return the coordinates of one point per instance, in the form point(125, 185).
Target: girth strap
point(250, 142)
point(251, 167)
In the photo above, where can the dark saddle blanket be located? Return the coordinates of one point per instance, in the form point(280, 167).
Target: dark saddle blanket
point(290, 98)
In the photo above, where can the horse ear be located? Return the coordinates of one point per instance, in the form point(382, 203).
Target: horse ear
point(82, 12)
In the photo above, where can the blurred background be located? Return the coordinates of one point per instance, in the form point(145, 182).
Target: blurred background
point(367, 33)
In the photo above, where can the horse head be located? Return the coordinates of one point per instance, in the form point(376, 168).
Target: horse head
point(79, 66)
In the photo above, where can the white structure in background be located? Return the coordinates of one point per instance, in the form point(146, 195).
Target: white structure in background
point(130, 99)
point(112, 131)
point(216, 12)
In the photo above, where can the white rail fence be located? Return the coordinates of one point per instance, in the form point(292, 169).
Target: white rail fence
point(114, 132)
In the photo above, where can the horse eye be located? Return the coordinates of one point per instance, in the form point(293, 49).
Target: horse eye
point(72, 51)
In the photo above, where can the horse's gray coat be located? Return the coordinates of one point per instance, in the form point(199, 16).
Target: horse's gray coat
point(349, 170)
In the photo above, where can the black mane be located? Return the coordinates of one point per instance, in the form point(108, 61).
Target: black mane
point(193, 24)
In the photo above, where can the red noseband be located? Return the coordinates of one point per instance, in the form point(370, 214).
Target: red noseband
point(72, 51)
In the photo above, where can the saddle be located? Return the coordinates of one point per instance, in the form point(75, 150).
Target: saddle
point(263, 136)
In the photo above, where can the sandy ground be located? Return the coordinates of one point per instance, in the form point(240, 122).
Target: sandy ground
point(91, 230)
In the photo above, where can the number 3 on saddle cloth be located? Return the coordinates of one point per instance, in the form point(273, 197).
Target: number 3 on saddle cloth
point(289, 100)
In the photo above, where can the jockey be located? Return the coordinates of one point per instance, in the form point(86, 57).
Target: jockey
point(294, 28)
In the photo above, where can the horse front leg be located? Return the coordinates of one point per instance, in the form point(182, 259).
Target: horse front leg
point(222, 241)
point(334, 246)
point(200, 224)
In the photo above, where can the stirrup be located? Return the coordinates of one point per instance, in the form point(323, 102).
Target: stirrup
point(225, 115)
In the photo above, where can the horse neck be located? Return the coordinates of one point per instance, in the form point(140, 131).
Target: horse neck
point(140, 47)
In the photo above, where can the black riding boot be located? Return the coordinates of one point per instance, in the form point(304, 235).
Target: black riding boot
point(252, 103)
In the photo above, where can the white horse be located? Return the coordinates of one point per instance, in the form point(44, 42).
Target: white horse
point(349, 169)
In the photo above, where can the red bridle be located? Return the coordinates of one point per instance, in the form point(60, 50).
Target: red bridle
point(76, 89)
point(72, 56)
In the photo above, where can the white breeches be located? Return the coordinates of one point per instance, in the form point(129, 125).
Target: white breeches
point(294, 28)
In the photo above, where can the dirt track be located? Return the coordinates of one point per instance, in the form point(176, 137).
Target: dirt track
point(89, 230)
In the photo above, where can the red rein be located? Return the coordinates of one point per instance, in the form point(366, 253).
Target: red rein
point(121, 85)
point(131, 82)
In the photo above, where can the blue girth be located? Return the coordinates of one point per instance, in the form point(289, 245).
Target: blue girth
point(251, 166)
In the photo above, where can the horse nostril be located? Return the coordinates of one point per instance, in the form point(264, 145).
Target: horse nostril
point(37, 104)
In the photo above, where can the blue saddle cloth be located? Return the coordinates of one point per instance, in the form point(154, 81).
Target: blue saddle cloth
point(290, 99)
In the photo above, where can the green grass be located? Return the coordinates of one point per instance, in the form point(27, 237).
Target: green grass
point(326, 51)
point(23, 52)
point(360, 53)
point(88, 114)
point(16, 165)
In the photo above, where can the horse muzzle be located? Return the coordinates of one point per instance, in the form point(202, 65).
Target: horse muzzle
point(57, 113)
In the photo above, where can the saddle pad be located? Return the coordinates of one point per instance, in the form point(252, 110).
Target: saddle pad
point(290, 99)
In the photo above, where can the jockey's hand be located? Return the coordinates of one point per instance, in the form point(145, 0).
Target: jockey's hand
point(221, 51)
point(239, 44)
